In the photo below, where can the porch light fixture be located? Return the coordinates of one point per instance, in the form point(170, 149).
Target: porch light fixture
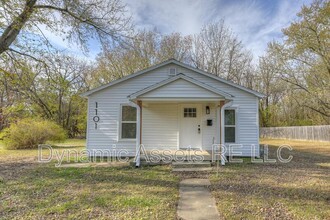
point(207, 110)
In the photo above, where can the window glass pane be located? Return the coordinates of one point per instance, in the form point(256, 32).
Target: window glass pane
point(230, 135)
point(128, 113)
point(229, 117)
point(189, 112)
point(128, 130)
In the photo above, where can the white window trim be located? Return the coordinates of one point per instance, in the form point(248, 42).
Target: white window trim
point(121, 122)
point(231, 126)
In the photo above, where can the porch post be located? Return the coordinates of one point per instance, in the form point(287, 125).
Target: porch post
point(138, 131)
point(222, 103)
point(140, 106)
point(219, 127)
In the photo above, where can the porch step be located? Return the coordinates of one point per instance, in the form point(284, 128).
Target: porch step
point(187, 164)
point(196, 169)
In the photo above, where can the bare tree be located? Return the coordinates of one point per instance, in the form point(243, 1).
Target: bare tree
point(77, 21)
point(50, 92)
point(216, 50)
point(275, 90)
point(175, 46)
point(145, 49)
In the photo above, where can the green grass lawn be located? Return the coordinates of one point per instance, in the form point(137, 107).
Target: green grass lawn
point(296, 190)
point(29, 190)
point(18, 155)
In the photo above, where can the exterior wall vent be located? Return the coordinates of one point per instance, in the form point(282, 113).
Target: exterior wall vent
point(172, 71)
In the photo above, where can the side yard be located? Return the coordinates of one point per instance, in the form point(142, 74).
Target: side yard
point(296, 190)
point(36, 191)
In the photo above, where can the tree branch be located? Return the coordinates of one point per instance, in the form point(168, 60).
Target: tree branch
point(77, 17)
point(11, 32)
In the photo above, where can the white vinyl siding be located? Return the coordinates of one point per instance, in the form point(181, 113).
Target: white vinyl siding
point(247, 113)
point(160, 126)
point(110, 99)
point(209, 132)
point(180, 89)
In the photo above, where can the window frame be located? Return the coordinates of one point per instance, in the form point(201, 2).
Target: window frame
point(230, 126)
point(121, 123)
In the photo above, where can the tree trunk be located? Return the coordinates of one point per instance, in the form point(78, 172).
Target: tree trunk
point(11, 32)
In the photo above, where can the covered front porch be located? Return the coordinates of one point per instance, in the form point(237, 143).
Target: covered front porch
point(175, 125)
point(179, 113)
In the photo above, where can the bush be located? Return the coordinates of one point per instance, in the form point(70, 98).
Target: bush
point(28, 133)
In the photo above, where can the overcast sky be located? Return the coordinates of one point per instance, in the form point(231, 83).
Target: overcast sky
point(255, 22)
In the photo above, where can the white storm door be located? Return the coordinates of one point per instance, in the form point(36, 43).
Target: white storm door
point(190, 126)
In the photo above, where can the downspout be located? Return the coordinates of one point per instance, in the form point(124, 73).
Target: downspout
point(138, 131)
point(222, 139)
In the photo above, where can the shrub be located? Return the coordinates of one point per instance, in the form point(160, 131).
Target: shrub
point(28, 133)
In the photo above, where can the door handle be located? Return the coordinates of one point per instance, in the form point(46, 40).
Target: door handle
point(199, 129)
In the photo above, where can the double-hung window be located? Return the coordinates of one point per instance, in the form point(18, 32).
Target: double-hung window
point(230, 126)
point(128, 122)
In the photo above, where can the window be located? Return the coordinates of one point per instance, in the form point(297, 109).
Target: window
point(189, 112)
point(230, 126)
point(128, 122)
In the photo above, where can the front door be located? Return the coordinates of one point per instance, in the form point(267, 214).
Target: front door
point(190, 126)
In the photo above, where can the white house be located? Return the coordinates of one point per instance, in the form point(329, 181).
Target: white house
point(170, 106)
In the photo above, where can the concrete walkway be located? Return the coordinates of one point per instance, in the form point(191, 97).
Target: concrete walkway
point(196, 201)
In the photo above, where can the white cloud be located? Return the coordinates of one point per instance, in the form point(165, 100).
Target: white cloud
point(255, 22)
point(182, 16)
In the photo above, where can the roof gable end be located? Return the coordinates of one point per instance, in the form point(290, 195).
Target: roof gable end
point(173, 61)
point(180, 86)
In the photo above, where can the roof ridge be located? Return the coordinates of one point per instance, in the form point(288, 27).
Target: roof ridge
point(172, 60)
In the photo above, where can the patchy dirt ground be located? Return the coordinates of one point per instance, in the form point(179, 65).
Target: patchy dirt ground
point(296, 190)
point(299, 189)
point(30, 190)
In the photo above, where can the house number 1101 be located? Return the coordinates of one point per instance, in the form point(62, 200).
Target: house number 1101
point(96, 118)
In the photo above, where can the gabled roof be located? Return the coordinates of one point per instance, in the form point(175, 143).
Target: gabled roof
point(177, 77)
point(173, 61)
